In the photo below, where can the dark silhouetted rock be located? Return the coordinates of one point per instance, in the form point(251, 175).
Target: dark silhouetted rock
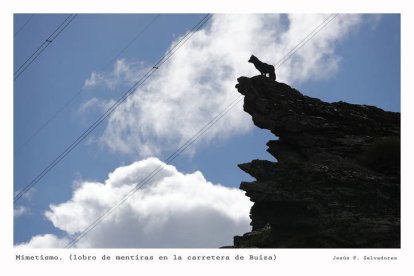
point(337, 180)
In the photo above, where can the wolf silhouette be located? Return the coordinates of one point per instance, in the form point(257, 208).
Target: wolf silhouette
point(264, 68)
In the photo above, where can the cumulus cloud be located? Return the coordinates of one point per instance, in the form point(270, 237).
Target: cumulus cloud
point(173, 210)
point(198, 81)
point(45, 241)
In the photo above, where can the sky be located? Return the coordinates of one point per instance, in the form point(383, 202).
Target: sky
point(194, 201)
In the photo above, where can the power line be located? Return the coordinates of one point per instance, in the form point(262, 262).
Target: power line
point(134, 39)
point(44, 45)
point(74, 96)
point(149, 177)
point(325, 22)
point(108, 112)
point(187, 144)
point(24, 25)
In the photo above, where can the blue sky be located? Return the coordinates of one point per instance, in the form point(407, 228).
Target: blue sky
point(359, 63)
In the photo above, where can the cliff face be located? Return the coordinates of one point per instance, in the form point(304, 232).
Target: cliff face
point(337, 179)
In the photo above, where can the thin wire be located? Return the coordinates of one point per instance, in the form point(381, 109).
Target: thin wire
point(149, 177)
point(44, 45)
point(306, 39)
point(74, 96)
point(174, 155)
point(124, 97)
point(133, 40)
point(24, 25)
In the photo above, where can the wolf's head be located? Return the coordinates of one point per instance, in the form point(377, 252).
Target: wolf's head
point(252, 58)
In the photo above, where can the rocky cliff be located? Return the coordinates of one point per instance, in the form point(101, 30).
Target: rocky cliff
point(337, 180)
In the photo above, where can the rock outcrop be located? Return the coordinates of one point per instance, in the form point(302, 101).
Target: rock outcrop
point(337, 180)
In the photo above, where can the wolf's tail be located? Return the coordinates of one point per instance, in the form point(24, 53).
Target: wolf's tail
point(272, 75)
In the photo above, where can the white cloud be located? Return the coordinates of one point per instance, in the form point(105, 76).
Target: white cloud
point(172, 210)
point(123, 72)
point(28, 196)
point(20, 211)
point(95, 103)
point(45, 241)
point(93, 80)
point(198, 81)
